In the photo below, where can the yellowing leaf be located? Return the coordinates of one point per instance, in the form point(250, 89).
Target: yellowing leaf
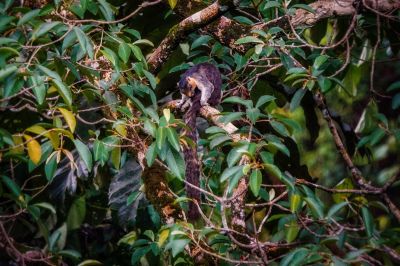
point(34, 149)
point(121, 129)
point(116, 157)
point(167, 114)
point(18, 148)
point(163, 236)
point(69, 118)
point(51, 89)
point(52, 136)
point(54, 139)
point(64, 132)
point(295, 201)
point(172, 3)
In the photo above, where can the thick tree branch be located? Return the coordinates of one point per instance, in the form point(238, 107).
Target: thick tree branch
point(178, 32)
point(356, 173)
point(227, 31)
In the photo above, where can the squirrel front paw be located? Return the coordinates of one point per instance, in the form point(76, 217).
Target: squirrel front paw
point(183, 105)
point(204, 103)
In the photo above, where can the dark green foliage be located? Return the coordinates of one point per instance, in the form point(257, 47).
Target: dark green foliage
point(82, 115)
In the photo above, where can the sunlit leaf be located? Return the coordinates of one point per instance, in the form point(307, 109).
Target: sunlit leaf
point(34, 149)
point(69, 118)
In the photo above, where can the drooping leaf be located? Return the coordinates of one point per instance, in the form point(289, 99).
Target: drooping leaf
point(76, 213)
point(122, 185)
point(69, 118)
point(84, 153)
point(368, 221)
point(124, 52)
point(255, 181)
point(34, 149)
point(64, 91)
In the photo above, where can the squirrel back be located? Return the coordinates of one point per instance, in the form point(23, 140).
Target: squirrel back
point(212, 74)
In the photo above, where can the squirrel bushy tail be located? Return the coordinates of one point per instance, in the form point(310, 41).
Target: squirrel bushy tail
point(191, 159)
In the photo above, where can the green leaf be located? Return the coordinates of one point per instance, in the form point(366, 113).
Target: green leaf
point(393, 86)
point(100, 152)
point(292, 231)
point(28, 16)
point(267, 157)
point(253, 114)
point(319, 61)
point(335, 208)
point(315, 207)
point(111, 56)
point(255, 181)
point(368, 221)
point(203, 39)
point(106, 10)
point(134, 33)
point(295, 257)
point(84, 42)
point(44, 28)
point(225, 119)
point(58, 238)
point(270, 4)
point(173, 138)
point(47, 206)
point(273, 170)
point(139, 253)
point(279, 127)
point(50, 168)
point(296, 100)
point(50, 73)
point(137, 52)
point(324, 83)
point(70, 253)
point(295, 76)
point(175, 163)
point(248, 39)
point(177, 246)
point(84, 153)
point(124, 51)
point(64, 91)
point(151, 78)
point(69, 40)
point(76, 214)
point(8, 70)
point(229, 172)
point(160, 137)
point(151, 154)
point(38, 88)
point(264, 99)
point(396, 101)
point(90, 263)
point(235, 99)
point(81, 38)
point(14, 188)
point(296, 70)
point(218, 140)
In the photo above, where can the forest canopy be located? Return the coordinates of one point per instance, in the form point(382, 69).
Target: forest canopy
point(299, 163)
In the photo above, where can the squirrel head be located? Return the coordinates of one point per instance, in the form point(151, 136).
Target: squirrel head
point(187, 86)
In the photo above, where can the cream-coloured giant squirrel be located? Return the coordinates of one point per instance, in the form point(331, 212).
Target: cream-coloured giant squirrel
point(200, 85)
